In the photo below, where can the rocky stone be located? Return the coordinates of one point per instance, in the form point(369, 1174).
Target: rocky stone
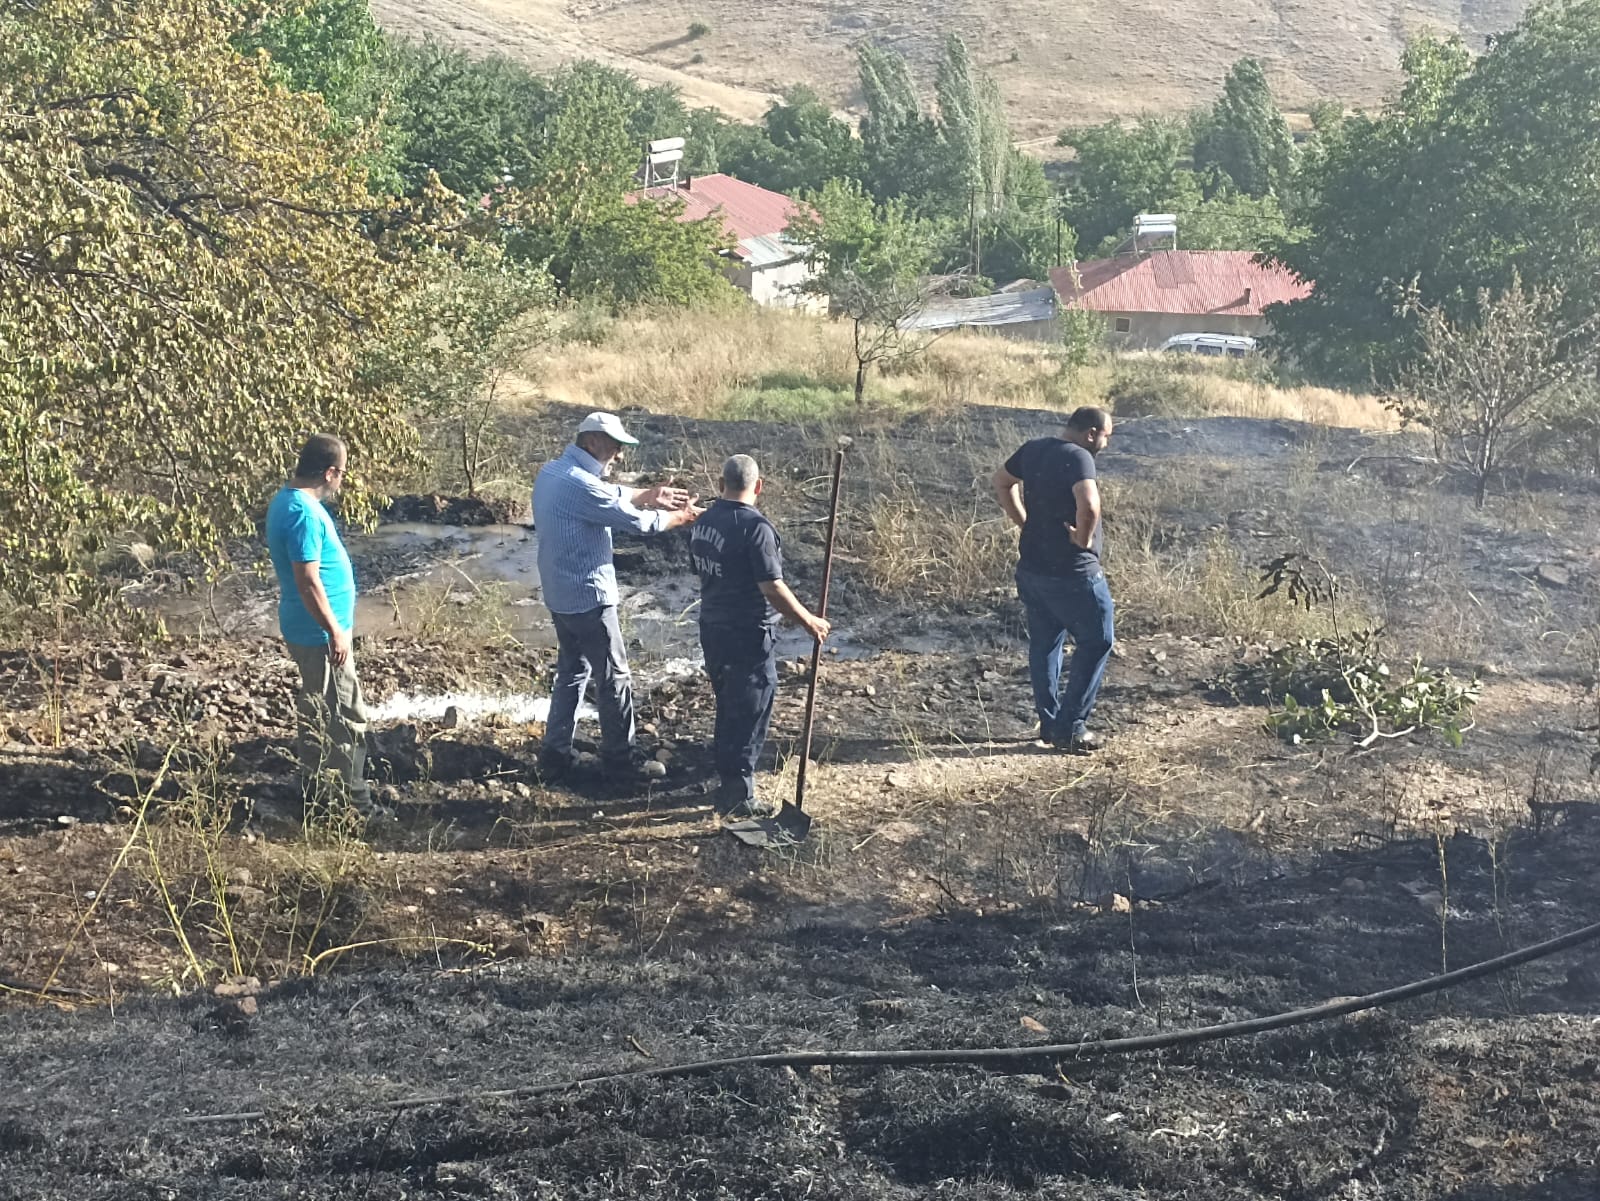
point(1554, 575)
point(881, 1009)
point(237, 986)
point(113, 668)
point(66, 819)
point(1115, 902)
point(663, 756)
point(1033, 1025)
point(452, 719)
point(654, 769)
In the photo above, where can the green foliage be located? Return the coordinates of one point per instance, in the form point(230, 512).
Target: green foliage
point(186, 280)
point(473, 122)
point(870, 262)
point(697, 30)
point(1245, 136)
point(804, 147)
point(1317, 688)
point(1490, 388)
point(1481, 170)
point(332, 48)
point(788, 397)
point(474, 320)
point(1121, 172)
point(1083, 337)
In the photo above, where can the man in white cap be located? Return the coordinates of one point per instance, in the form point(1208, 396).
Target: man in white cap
point(575, 511)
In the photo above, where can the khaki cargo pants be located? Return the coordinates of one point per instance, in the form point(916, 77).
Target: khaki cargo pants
point(332, 726)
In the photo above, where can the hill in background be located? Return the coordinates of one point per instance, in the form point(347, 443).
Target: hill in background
point(1058, 63)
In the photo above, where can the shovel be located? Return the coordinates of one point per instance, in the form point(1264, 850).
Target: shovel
point(792, 823)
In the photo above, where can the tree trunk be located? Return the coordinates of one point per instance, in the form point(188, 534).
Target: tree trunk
point(861, 381)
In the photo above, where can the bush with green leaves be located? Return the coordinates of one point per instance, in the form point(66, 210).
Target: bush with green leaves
point(1343, 682)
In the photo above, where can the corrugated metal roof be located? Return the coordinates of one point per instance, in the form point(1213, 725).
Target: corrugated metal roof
point(1003, 308)
point(768, 251)
point(1181, 282)
point(747, 212)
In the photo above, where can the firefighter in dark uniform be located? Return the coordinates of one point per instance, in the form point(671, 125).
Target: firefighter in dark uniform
point(742, 596)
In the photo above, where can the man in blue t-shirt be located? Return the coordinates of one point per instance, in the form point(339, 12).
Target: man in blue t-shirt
point(316, 615)
point(1049, 490)
point(739, 560)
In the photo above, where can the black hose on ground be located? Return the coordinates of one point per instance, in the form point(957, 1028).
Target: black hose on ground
point(986, 1056)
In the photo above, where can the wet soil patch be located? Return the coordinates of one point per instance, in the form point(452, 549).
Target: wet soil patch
point(433, 509)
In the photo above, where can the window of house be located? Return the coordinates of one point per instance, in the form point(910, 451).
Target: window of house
point(1124, 325)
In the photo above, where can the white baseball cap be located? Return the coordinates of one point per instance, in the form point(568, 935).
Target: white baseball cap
point(608, 424)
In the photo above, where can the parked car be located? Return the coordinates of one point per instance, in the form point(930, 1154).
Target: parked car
point(1232, 346)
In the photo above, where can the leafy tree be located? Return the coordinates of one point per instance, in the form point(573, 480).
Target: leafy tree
point(1487, 387)
point(455, 341)
point(1245, 135)
point(962, 122)
point(473, 122)
point(1121, 172)
point(186, 280)
point(871, 264)
point(802, 146)
point(332, 48)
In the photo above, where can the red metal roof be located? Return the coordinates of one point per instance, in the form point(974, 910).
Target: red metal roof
point(746, 210)
point(1184, 282)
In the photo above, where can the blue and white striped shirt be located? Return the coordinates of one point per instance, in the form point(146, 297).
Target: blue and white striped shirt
point(574, 512)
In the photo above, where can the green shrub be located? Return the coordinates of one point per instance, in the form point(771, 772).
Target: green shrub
point(1153, 388)
point(697, 30)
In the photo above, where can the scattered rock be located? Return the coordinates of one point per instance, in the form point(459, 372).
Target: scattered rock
point(66, 819)
point(663, 756)
point(881, 1009)
point(897, 779)
point(1115, 902)
point(113, 668)
point(238, 986)
point(1033, 1025)
point(452, 719)
point(1353, 885)
point(1554, 575)
point(654, 769)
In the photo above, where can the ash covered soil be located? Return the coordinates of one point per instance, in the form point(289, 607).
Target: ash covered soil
point(1488, 1093)
point(960, 888)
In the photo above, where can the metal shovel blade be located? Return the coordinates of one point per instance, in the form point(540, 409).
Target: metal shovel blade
point(785, 828)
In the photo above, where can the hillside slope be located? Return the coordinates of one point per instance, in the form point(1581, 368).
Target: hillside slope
point(1057, 63)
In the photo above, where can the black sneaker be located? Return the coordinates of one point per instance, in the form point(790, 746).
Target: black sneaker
point(1085, 743)
point(556, 765)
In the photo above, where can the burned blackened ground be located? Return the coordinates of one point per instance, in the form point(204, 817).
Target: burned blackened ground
point(960, 887)
point(1487, 1092)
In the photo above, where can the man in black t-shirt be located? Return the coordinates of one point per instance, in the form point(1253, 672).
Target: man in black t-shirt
point(742, 595)
point(1049, 490)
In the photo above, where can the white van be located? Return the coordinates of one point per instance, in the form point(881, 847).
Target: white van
point(1232, 346)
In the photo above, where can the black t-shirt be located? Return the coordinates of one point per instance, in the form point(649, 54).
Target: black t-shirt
point(1049, 469)
point(735, 551)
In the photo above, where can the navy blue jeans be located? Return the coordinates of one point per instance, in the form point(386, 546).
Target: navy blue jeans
point(743, 665)
point(1079, 606)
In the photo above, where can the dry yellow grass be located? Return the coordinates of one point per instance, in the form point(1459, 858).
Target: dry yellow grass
point(1056, 64)
point(766, 363)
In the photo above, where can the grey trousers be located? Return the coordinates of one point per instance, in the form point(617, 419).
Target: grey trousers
point(333, 722)
point(591, 644)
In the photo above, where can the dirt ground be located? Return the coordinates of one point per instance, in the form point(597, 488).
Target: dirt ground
point(961, 887)
point(1058, 65)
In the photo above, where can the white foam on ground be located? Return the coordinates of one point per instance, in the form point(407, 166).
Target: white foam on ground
point(513, 706)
